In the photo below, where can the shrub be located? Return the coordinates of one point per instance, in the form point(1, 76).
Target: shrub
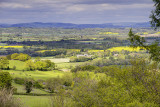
point(20, 81)
point(84, 68)
point(7, 100)
point(21, 57)
point(80, 59)
point(67, 79)
point(29, 85)
point(37, 84)
point(5, 80)
point(53, 84)
point(4, 63)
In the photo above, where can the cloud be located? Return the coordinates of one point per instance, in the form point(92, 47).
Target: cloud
point(114, 1)
point(74, 11)
point(13, 5)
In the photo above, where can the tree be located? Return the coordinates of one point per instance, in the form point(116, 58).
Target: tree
point(54, 84)
point(14, 56)
point(5, 80)
point(137, 41)
point(49, 65)
point(30, 65)
point(155, 15)
point(23, 57)
point(28, 85)
point(4, 63)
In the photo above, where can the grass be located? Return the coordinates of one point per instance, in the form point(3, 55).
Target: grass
point(36, 74)
point(57, 60)
point(34, 101)
point(19, 64)
point(21, 89)
point(68, 65)
point(21, 72)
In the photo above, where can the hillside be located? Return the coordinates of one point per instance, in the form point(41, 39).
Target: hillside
point(70, 25)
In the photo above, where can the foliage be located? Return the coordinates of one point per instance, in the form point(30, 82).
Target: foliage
point(155, 22)
point(54, 84)
point(42, 65)
point(7, 100)
point(18, 80)
point(137, 41)
point(4, 63)
point(135, 85)
point(83, 68)
point(28, 85)
point(81, 59)
point(57, 83)
point(5, 80)
point(30, 65)
point(21, 57)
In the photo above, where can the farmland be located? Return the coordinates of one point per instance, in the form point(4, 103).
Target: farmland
point(64, 64)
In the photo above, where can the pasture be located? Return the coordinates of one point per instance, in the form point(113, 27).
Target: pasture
point(34, 101)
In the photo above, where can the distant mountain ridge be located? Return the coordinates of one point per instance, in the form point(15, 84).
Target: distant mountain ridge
point(71, 25)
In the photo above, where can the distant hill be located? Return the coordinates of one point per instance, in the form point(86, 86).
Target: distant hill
point(70, 25)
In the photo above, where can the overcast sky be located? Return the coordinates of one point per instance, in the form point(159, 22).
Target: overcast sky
point(75, 11)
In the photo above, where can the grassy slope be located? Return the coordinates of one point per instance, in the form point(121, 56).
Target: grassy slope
point(31, 74)
point(36, 74)
point(21, 89)
point(34, 101)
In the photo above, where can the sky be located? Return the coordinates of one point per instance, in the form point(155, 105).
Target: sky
point(75, 11)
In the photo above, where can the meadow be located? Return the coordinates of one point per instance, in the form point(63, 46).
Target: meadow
point(34, 101)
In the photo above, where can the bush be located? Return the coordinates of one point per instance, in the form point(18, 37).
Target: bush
point(7, 100)
point(4, 63)
point(80, 59)
point(67, 79)
point(54, 84)
point(5, 80)
point(42, 65)
point(84, 68)
point(20, 81)
point(37, 84)
point(21, 57)
point(29, 85)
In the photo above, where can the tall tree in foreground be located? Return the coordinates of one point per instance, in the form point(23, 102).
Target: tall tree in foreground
point(137, 41)
point(155, 16)
point(153, 49)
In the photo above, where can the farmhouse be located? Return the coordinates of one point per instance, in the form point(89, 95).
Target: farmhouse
point(84, 55)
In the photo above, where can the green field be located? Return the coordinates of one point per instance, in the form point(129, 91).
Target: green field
point(21, 89)
point(36, 74)
point(34, 101)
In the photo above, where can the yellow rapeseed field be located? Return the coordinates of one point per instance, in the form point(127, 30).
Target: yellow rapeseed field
point(71, 50)
point(90, 51)
point(74, 50)
point(111, 33)
point(124, 48)
point(11, 46)
point(41, 51)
